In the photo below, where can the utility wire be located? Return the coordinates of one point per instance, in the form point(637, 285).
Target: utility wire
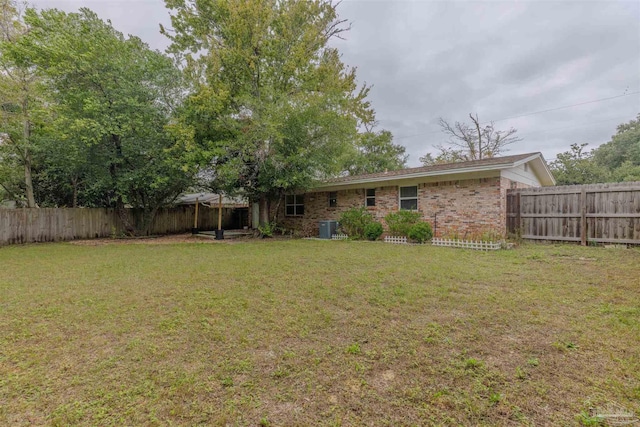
point(571, 127)
point(528, 114)
point(562, 108)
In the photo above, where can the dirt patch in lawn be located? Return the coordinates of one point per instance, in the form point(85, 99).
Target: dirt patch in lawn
point(159, 240)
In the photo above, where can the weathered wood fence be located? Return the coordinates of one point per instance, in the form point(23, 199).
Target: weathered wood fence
point(602, 213)
point(55, 224)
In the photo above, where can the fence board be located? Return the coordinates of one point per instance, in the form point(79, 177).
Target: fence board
point(597, 212)
point(57, 224)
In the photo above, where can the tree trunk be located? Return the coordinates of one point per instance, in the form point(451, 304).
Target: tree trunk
point(28, 181)
point(476, 121)
point(264, 210)
point(277, 209)
point(130, 229)
point(74, 183)
point(148, 216)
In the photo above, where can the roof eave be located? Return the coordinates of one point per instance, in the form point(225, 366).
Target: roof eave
point(544, 173)
point(417, 175)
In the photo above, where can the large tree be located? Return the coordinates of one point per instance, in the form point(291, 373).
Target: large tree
point(471, 141)
point(274, 108)
point(577, 166)
point(113, 98)
point(617, 160)
point(621, 155)
point(20, 105)
point(375, 152)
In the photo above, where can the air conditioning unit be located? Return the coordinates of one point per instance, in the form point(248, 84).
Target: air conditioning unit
point(328, 228)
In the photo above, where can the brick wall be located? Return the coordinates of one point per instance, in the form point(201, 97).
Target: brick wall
point(464, 207)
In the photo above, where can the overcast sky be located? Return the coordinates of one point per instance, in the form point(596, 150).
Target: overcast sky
point(431, 59)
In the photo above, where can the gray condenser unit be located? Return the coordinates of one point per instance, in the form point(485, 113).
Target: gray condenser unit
point(328, 229)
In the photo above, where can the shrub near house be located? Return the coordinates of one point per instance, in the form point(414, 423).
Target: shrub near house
point(467, 197)
point(357, 223)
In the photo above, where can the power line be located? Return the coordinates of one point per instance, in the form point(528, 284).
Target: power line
point(528, 114)
point(572, 126)
point(562, 108)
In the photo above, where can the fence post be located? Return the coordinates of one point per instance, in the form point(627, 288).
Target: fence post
point(518, 225)
point(583, 216)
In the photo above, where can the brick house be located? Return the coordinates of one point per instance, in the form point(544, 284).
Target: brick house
point(466, 199)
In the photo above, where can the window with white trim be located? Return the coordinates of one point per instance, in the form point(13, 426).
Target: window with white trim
point(294, 205)
point(371, 197)
point(409, 198)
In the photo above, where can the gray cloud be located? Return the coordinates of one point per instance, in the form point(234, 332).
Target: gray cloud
point(431, 59)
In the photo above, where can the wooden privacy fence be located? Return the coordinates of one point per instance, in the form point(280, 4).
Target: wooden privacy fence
point(602, 213)
point(55, 224)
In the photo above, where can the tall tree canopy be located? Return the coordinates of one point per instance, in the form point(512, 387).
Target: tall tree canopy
point(617, 160)
point(376, 152)
point(577, 166)
point(112, 102)
point(274, 108)
point(473, 141)
point(621, 155)
point(21, 105)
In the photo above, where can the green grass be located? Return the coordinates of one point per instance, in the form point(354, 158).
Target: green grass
point(316, 333)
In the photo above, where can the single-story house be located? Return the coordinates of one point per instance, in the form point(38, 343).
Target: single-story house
point(464, 199)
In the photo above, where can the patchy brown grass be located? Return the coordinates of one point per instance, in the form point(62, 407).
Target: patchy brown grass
point(316, 333)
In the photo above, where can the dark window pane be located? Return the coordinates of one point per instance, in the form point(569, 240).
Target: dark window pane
point(409, 191)
point(290, 199)
point(333, 199)
point(291, 210)
point(300, 199)
point(371, 192)
point(300, 210)
point(409, 204)
point(371, 201)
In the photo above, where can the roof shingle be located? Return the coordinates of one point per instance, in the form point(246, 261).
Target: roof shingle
point(493, 161)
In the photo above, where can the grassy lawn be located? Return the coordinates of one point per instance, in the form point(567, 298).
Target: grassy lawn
point(316, 333)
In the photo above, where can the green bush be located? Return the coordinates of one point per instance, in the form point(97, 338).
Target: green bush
point(373, 230)
point(268, 229)
point(400, 222)
point(353, 222)
point(420, 232)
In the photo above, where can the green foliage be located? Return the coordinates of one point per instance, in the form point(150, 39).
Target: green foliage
point(376, 152)
point(274, 107)
point(495, 398)
point(618, 160)
point(621, 155)
point(354, 221)
point(589, 420)
point(268, 229)
point(112, 101)
point(354, 349)
point(577, 167)
point(473, 364)
point(400, 222)
point(373, 230)
point(22, 108)
point(420, 232)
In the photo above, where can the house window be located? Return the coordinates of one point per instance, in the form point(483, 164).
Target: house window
point(294, 205)
point(333, 199)
point(409, 198)
point(371, 197)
